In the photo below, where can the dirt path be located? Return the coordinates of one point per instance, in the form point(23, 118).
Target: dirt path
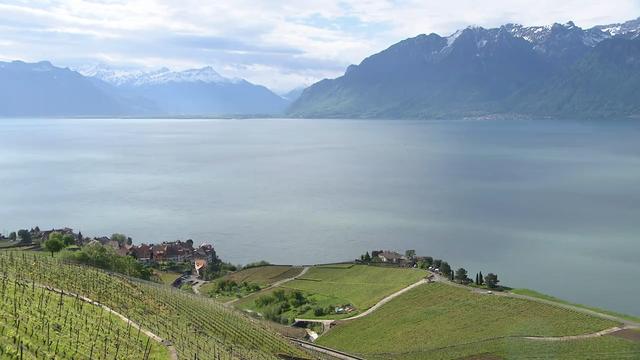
point(173, 354)
point(626, 322)
point(386, 300)
point(577, 337)
point(274, 285)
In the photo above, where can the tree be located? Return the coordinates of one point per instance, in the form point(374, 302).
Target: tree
point(428, 261)
point(445, 268)
point(25, 236)
point(13, 236)
point(481, 279)
point(68, 240)
point(491, 280)
point(367, 257)
point(451, 278)
point(461, 275)
point(437, 263)
point(120, 238)
point(54, 244)
point(409, 254)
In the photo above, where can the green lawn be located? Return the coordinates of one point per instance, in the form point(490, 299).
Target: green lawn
point(444, 322)
point(360, 285)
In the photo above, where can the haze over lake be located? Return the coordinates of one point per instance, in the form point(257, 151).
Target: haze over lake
point(548, 205)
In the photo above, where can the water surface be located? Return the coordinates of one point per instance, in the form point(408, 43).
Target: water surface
point(549, 205)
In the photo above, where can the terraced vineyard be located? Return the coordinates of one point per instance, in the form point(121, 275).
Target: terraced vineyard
point(198, 327)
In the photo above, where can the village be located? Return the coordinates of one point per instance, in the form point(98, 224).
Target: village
point(148, 254)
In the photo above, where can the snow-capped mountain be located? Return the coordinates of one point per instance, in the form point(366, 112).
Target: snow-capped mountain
point(189, 92)
point(628, 27)
point(124, 77)
point(558, 69)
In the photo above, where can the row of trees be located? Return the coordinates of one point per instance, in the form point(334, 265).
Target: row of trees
point(460, 275)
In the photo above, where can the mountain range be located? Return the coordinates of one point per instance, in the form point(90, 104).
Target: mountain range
point(41, 89)
point(558, 70)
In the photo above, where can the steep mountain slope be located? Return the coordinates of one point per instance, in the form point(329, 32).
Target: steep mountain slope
point(465, 73)
point(477, 72)
point(604, 83)
point(41, 89)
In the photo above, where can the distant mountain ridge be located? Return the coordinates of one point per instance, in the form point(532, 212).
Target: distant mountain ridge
point(41, 89)
point(556, 70)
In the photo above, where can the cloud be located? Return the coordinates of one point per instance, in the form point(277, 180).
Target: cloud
point(278, 43)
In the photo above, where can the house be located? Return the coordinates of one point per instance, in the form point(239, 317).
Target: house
point(390, 257)
point(205, 252)
point(141, 252)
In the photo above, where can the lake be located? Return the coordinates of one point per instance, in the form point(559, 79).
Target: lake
point(548, 205)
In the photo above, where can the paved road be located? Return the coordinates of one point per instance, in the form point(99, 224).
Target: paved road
point(324, 350)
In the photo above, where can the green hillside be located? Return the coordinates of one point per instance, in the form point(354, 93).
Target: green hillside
point(41, 324)
point(440, 321)
point(196, 326)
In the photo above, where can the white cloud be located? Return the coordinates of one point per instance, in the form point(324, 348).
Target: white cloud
point(277, 43)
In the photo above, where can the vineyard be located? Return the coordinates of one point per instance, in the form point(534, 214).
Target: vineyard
point(197, 327)
point(447, 322)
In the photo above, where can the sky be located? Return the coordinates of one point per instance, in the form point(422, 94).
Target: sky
point(282, 44)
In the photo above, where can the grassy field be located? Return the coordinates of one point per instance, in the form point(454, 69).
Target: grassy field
point(360, 285)
point(196, 326)
point(330, 286)
point(303, 312)
point(539, 295)
point(439, 321)
point(265, 275)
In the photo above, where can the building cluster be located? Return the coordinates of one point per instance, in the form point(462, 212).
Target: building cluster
point(175, 251)
point(392, 257)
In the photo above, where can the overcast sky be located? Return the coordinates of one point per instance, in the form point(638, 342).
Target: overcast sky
point(280, 44)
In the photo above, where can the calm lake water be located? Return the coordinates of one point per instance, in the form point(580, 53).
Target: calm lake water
point(549, 205)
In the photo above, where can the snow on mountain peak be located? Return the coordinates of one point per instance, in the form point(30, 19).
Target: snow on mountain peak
point(163, 75)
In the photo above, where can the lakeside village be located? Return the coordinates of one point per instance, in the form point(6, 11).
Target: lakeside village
point(118, 253)
point(113, 253)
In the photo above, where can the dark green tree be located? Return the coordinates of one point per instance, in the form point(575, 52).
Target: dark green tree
point(461, 275)
point(428, 261)
point(367, 257)
point(481, 279)
point(437, 263)
point(25, 236)
point(68, 240)
point(491, 280)
point(445, 268)
point(409, 254)
point(13, 236)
